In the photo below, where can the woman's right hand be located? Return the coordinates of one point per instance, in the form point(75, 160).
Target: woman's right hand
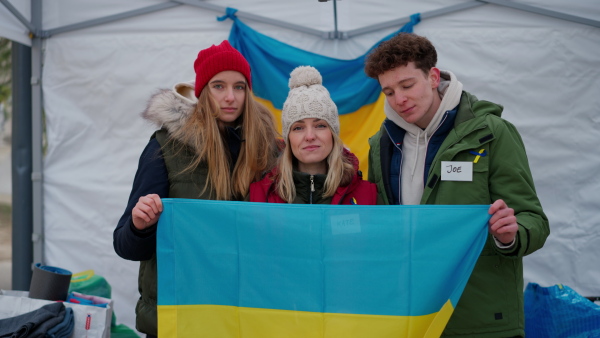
point(146, 212)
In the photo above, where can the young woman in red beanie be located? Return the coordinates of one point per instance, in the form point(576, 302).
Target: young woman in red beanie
point(314, 167)
point(214, 140)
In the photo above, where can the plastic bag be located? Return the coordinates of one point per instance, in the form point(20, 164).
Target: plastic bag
point(89, 283)
point(559, 311)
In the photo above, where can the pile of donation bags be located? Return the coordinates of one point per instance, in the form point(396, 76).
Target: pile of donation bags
point(79, 307)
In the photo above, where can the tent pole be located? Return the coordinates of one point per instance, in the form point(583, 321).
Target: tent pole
point(545, 12)
point(259, 18)
point(108, 19)
point(397, 23)
point(37, 135)
point(335, 24)
point(22, 222)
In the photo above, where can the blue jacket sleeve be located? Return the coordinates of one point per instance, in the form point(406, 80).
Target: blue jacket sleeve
point(151, 178)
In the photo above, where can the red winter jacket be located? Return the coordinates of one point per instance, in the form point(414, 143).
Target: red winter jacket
point(357, 192)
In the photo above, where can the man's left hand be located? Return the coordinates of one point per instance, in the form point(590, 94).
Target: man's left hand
point(503, 224)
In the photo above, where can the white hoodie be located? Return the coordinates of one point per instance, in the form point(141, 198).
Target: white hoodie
point(414, 145)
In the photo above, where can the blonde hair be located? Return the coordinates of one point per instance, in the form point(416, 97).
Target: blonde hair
point(339, 170)
point(205, 133)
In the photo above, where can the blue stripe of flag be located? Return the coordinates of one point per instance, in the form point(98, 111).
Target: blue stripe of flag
point(378, 260)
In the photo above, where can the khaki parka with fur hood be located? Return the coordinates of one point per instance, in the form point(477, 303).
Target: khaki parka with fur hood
point(170, 110)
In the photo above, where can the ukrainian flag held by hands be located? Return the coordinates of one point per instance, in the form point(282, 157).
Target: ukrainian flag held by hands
point(246, 270)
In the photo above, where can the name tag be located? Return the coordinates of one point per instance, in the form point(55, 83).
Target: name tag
point(457, 171)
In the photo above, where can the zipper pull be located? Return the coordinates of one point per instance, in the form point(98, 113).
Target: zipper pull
point(312, 183)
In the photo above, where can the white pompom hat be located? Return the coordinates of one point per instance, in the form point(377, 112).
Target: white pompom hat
point(308, 99)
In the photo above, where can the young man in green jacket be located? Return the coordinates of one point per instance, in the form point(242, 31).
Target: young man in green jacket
point(441, 145)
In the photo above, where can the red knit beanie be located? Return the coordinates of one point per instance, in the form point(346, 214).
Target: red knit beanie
point(216, 59)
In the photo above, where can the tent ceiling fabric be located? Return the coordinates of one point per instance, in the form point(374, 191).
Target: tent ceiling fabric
point(65, 13)
point(10, 27)
point(96, 82)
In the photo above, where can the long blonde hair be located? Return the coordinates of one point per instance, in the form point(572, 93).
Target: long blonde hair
point(205, 133)
point(339, 170)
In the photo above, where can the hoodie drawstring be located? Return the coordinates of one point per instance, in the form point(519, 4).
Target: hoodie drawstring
point(416, 158)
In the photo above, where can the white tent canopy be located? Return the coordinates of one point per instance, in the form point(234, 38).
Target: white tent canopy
point(542, 65)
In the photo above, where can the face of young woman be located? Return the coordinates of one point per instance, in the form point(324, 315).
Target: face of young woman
point(311, 142)
point(228, 88)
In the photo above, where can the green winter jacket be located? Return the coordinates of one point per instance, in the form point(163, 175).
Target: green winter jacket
point(492, 302)
point(181, 185)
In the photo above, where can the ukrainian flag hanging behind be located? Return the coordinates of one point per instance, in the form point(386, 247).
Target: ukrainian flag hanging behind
point(358, 97)
point(249, 270)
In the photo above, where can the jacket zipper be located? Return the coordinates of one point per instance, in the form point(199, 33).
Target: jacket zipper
point(427, 148)
point(312, 188)
point(399, 169)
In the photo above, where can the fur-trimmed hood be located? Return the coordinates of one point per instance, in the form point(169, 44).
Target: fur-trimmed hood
point(171, 108)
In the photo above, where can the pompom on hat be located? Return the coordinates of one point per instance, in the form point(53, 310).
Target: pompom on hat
point(308, 99)
point(216, 59)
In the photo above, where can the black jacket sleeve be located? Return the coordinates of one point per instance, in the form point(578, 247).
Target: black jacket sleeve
point(151, 178)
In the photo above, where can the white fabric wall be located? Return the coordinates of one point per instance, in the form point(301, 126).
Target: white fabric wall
point(96, 82)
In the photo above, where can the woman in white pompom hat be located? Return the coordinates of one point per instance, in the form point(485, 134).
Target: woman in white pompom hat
point(314, 167)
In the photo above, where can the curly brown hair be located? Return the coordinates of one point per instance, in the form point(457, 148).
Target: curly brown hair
point(399, 51)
